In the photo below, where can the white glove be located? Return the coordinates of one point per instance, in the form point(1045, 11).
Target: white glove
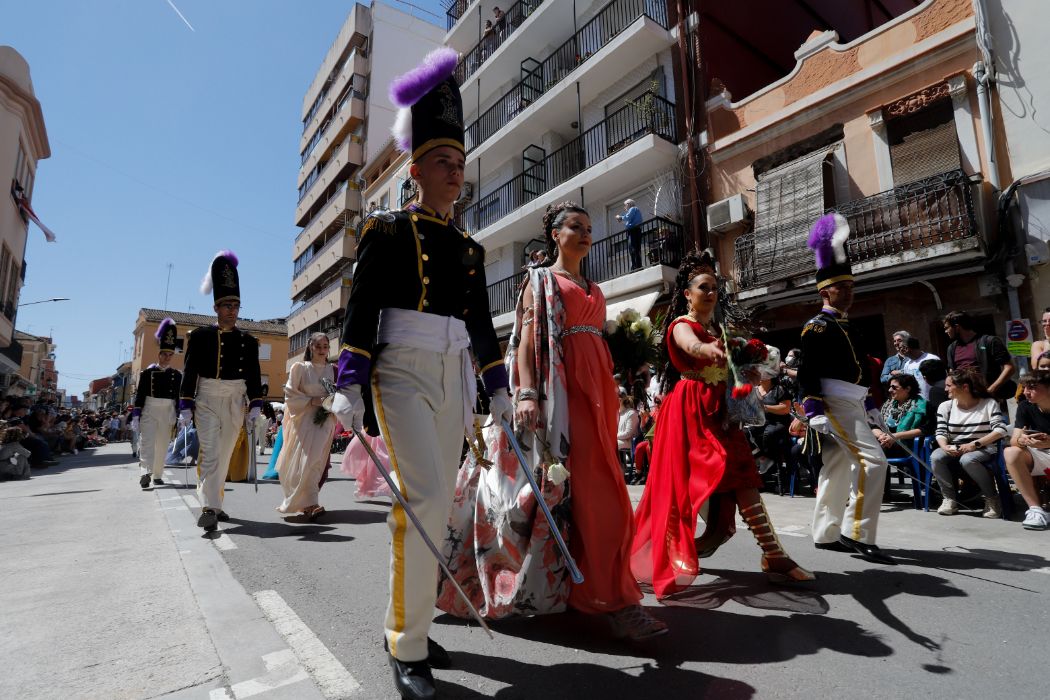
point(253, 413)
point(349, 407)
point(501, 407)
point(875, 418)
point(185, 418)
point(821, 424)
point(135, 424)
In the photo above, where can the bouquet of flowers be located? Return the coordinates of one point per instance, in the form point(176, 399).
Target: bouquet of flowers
point(633, 341)
point(325, 409)
point(744, 357)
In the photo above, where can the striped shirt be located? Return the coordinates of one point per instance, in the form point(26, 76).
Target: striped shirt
point(958, 425)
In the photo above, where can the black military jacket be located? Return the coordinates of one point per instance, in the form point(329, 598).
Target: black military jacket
point(830, 351)
point(414, 259)
point(157, 383)
point(215, 354)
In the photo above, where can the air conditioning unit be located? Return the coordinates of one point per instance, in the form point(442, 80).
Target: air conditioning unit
point(727, 214)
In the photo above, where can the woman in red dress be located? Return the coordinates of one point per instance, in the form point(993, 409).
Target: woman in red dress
point(699, 459)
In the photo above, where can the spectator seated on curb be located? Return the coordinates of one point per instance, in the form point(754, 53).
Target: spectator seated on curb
point(904, 414)
point(1028, 455)
point(969, 424)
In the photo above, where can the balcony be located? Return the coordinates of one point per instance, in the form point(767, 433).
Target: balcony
point(346, 157)
point(11, 357)
point(409, 191)
point(893, 232)
point(335, 211)
point(339, 248)
point(329, 300)
point(634, 143)
point(513, 18)
point(662, 243)
point(349, 114)
point(633, 29)
point(351, 77)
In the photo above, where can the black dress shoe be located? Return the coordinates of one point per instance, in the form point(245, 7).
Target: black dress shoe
point(223, 516)
point(834, 546)
point(144, 481)
point(868, 551)
point(158, 482)
point(413, 679)
point(209, 520)
point(437, 657)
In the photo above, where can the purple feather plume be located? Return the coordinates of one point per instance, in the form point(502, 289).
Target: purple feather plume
point(407, 89)
point(820, 240)
point(164, 325)
point(229, 255)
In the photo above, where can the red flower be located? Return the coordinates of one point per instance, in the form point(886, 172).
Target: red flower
point(741, 391)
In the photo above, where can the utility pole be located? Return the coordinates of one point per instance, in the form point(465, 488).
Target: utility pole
point(167, 285)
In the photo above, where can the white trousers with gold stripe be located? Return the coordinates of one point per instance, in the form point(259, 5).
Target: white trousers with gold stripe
point(418, 399)
point(219, 416)
point(849, 489)
point(158, 418)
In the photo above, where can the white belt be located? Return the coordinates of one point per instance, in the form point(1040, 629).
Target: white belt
point(445, 335)
point(843, 390)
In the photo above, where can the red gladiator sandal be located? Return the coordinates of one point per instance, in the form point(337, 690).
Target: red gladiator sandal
point(776, 564)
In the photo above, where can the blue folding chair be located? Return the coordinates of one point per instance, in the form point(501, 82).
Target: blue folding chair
point(1002, 483)
point(915, 469)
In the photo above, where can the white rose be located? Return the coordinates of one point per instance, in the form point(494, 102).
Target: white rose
point(645, 324)
point(557, 473)
point(630, 315)
point(610, 327)
point(635, 327)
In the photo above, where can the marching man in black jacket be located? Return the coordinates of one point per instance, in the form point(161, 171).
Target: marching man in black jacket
point(221, 373)
point(154, 414)
point(418, 301)
point(834, 380)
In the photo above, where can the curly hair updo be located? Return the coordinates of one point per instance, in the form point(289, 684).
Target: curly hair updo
point(553, 219)
point(693, 264)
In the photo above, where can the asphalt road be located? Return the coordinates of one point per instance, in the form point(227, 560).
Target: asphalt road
point(964, 615)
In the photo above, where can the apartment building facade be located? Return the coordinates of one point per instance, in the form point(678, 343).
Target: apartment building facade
point(272, 336)
point(23, 142)
point(570, 101)
point(347, 116)
point(872, 110)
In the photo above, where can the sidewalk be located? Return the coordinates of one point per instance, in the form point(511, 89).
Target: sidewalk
point(109, 592)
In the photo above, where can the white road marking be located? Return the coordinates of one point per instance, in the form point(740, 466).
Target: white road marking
point(330, 675)
point(224, 542)
point(793, 531)
point(281, 669)
point(1043, 570)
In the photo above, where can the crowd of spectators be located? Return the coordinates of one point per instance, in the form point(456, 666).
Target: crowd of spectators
point(47, 431)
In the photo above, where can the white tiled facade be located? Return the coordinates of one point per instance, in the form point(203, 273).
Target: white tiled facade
point(555, 80)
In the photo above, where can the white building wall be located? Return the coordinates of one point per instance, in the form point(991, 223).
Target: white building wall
point(399, 42)
point(1022, 55)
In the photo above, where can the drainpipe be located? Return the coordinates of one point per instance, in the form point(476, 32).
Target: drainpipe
point(984, 76)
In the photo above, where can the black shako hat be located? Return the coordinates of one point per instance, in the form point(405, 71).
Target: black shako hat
point(222, 279)
point(431, 107)
point(167, 335)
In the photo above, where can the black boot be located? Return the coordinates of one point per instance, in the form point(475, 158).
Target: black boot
point(413, 679)
point(209, 520)
point(437, 656)
point(144, 481)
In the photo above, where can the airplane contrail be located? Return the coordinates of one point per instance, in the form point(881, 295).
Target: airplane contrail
point(181, 16)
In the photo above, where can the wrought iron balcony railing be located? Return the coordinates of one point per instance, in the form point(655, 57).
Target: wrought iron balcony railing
point(661, 242)
point(619, 130)
point(918, 215)
point(492, 40)
point(542, 76)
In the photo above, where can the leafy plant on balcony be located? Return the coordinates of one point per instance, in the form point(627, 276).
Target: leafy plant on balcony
point(651, 114)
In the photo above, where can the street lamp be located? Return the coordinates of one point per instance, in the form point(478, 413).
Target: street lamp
point(44, 301)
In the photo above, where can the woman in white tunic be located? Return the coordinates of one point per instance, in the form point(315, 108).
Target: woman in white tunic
point(307, 429)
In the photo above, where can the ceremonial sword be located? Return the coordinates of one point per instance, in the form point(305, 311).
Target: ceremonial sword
point(252, 464)
point(574, 571)
point(419, 527)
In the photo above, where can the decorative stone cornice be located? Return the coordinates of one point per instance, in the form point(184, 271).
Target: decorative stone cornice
point(957, 87)
point(876, 120)
point(917, 101)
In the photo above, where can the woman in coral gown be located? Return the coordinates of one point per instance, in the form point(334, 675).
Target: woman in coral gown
point(699, 459)
point(499, 545)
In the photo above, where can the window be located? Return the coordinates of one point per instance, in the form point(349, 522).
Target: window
point(23, 173)
point(5, 262)
point(264, 351)
point(923, 144)
point(788, 199)
point(384, 201)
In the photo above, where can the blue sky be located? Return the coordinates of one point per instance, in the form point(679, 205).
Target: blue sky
point(167, 144)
